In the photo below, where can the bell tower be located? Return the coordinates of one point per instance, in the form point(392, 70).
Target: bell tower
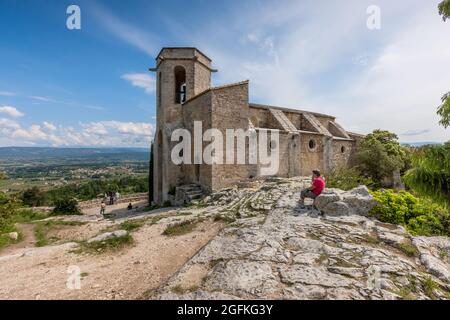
point(181, 73)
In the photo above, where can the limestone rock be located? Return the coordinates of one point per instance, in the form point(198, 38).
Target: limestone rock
point(436, 267)
point(13, 236)
point(108, 235)
point(336, 202)
point(278, 254)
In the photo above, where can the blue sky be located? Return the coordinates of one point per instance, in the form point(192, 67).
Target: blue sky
point(91, 87)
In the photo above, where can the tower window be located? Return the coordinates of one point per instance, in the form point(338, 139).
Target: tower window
point(180, 85)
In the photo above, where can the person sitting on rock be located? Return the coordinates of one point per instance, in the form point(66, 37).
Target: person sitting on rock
point(102, 208)
point(130, 206)
point(316, 188)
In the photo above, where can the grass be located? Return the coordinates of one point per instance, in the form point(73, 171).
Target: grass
point(178, 289)
point(180, 228)
point(408, 249)
point(323, 257)
point(215, 262)
point(132, 225)
point(429, 285)
point(406, 294)
point(198, 205)
point(113, 244)
point(43, 228)
point(27, 216)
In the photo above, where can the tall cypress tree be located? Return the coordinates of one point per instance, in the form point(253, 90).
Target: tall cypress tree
point(150, 176)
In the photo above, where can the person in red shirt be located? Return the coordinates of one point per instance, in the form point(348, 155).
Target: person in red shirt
point(316, 188)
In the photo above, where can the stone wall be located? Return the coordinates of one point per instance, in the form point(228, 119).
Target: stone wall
point(198, 109)
point(230, 111)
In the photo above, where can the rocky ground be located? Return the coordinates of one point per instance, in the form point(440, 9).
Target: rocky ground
point(29, 272)
point(249, 242)
point(274, 250)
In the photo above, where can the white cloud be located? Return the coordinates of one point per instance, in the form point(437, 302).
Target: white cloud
point(48, 125)
point(102, 133)
point(141, 80)
point(7, 93)
point(42, 99)
point(130, 34)
point(8, 124)
point(11, 111)
point(301, 56)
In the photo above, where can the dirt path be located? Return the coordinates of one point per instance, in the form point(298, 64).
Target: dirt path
point(42, 273)
point(29, 239)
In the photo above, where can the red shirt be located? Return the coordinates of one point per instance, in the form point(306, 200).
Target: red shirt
point(319, 185)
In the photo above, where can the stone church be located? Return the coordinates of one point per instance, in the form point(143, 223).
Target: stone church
point(307, 140)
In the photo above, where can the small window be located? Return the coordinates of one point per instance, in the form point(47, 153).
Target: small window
point(342, 149)
point(180, 84)
point(272, 144)
point(312, 144)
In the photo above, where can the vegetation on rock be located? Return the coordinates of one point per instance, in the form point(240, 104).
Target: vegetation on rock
point(420, 216)
point(346, 179)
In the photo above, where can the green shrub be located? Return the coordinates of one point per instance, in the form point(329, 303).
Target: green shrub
point(346, 179)
point(420, 216)
point(68, 206)
point(8, 208)
point(33, 197)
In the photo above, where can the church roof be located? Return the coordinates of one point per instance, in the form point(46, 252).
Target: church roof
point(189, 48)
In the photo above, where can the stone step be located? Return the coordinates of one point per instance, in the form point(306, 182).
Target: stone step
point(194, 193)
point(195, 196)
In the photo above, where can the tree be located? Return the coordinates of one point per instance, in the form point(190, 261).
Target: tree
point(379, 154)
point(444, 9)
point(3, 175)
point(430, 174)
point(7, 209)
point(67, 206)
point(33, 197)
point(444, 110)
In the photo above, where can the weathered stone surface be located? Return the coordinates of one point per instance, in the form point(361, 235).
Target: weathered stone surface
point(436, 267)
point(243, 277)
point(280, 254)
point(108, 235)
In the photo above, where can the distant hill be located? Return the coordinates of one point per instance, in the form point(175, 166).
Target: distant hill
point(420, 144)
point(42, 153)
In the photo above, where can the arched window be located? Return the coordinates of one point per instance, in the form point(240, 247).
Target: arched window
point(180, 84)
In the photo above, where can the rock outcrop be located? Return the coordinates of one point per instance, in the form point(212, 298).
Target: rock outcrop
point(273, 250)
point(108, 235)
point(335, 202)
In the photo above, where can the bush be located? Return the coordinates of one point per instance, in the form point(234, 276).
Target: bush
point(420, 216)
point(430, 172)
point(8, 207)
point(379, 154)
point(33, 197)
point(68, 206)
point(346, 179)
